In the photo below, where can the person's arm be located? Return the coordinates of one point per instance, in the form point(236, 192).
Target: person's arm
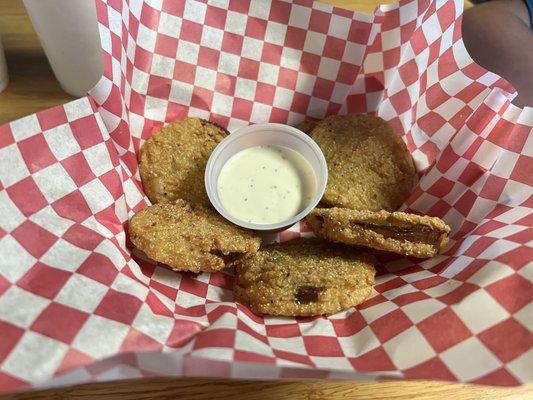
point(498, 36)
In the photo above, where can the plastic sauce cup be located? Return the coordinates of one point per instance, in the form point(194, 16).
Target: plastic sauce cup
point(262, 135)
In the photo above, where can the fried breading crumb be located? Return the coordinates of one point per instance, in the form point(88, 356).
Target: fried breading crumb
point(306, 126)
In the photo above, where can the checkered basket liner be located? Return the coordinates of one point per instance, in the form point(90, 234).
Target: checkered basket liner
point(76, 305)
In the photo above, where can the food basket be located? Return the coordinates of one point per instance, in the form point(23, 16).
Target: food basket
point(77, 306)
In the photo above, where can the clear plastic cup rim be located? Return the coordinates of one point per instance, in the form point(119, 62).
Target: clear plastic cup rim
point(272, 134)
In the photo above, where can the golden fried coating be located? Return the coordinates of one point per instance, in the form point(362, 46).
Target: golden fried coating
point(189, 237)
point(305, 276)
point(398, 232)
point(369, 165)
point(306, 126)
point(172, 162)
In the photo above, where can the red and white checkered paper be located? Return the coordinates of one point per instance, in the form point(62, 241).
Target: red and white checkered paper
point(75, 306)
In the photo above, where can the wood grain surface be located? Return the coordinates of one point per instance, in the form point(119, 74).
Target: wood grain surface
point(32, 88)
point(200, 389)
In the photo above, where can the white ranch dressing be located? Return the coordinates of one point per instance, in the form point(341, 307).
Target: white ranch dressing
point(266, 184)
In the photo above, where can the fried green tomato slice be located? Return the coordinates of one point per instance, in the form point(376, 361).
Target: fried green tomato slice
point(190, 237)
point(369, 165)
point(303, 277)
point(397, 232)
point(172, 162)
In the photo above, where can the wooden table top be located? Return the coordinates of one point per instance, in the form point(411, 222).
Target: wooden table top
point(32, 88)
